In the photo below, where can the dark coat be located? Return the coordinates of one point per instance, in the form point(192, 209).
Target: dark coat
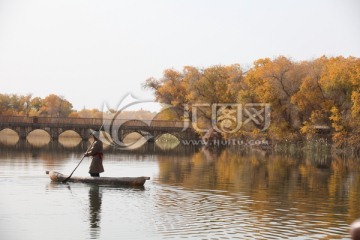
point(96, 152)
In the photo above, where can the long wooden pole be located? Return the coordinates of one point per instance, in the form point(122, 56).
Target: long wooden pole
point(67, 179)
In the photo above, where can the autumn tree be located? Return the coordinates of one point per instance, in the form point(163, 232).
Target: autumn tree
point(341, 79)
point(216, 85)
point(304, 95)
point(171, 89)
point(275, 82)
point(86, 113)
point(56, 106)
point(36, 104)
point(4, 104)
point(328, 96)
point(193, 86)
point(13, 104)
point(312, 101)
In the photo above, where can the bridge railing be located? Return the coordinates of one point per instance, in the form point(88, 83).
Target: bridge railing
point(65, 121)
point(169, 124)
point(50, 120)
point(15, 119)
point(68, 121)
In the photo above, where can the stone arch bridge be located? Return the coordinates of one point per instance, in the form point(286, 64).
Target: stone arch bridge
point(55, 126)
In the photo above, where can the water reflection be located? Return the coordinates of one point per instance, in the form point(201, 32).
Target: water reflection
point(70, 142)
point(309, 191)
point(25, 150)
point(8, 137)
point(69, 139)
point(200, 194)
point(165, 145)
point(38, 138)
point(95, 196)
point(69, 146)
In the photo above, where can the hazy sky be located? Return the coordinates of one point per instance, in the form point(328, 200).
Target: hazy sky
point(93, 51)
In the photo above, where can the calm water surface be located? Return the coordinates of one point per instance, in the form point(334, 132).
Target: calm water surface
point(194, 194)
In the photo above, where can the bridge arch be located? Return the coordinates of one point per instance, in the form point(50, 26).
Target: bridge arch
point(133, 124)
point(132, 134)
point(8, 136)
point(135, 127)
point(71, 133)
point(37, 132)
point(23, 126)
point(167, 137)
point(167, 141)
point(38, 137)
point(8, 131)
point(69, 138)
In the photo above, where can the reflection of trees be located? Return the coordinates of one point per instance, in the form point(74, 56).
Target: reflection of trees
point(51, 153)
point(94, 210)
point(308, 183)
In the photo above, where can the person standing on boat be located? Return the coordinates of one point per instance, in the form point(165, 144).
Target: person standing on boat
point(96, 151)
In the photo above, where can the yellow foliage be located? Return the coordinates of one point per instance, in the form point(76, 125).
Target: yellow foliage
point(303, 95)
point(355, 109)
point(336, 119)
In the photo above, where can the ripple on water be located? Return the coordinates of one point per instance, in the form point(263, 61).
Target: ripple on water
point(220, 215)
point(36, 208)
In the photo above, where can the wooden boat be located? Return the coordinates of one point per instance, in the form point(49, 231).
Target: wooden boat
point(119, 181)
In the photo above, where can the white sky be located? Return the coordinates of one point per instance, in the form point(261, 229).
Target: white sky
point(93, 51)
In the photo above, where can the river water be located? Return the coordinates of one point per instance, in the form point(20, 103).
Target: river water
point(193, 194)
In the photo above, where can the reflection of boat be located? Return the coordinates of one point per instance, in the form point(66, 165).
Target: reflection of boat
point(120, 181)
point(95, 200)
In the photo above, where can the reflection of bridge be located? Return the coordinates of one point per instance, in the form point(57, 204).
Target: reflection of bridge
point(28, 150)
point(56, 126)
